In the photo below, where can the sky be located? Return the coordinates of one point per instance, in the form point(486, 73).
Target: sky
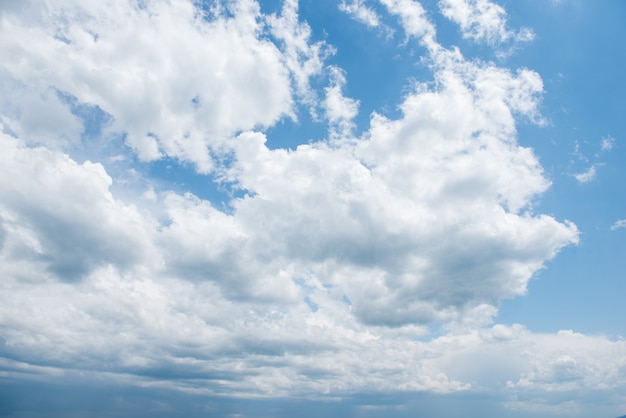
point(342, 208)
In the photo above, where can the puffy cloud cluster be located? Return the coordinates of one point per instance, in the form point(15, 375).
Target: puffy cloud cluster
point(390, 218)
point(174, 81)
point(325, 276)
point(60, 215)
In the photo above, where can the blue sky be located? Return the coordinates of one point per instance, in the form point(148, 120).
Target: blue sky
point(350, 208)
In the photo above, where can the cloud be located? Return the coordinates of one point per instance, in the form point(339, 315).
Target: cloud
point(381, 256)
point(607, 143)
point(62, 215)
point(482, 21)
point(39, 116)
point(185, 337)
point(359, 11)
point(618, 224)
point(413, 18)
point(587, 176)
point(340, 110)
point(302, 58)
point(369, 216)
point(173, 83)
point(334, 260)
point(591, 173)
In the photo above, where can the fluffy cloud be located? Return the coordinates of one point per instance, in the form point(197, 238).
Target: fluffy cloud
point(413, 18)
point(388, 218)
point(326, 275)
point(340, 110)
point(61, 215)
point(302, 58)
point(173, 82)
point(184, 336)
point(40, 116)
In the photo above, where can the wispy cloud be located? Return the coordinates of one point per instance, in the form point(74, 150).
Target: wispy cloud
point(590, 174)
point(483, 21)
point(619, 224)
point(607, 143)
point(359, 11)
point(586, 176)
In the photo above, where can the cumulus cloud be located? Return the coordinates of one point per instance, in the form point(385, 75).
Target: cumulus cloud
point(413, 18)
point(63, 216)
point(174, 83)
point(369, 216)
point(334, 259)
point(40, 116)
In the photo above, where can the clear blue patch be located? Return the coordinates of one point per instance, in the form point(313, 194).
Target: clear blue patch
point(345, 299)
point(380, 69)
point(8, 131)
point(93, 117)
point(195, 102)
point(271, 7)
point(314, 307)
point(170, 174)
point(288, 134)
point(302, 283)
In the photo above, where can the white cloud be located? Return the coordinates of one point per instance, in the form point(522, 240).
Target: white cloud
point(607, 143)
point(586, 176)
point(64, 216)
point(621, 223)
point(39, 116)
point(359, 11)
point(413, 18)
point(340, 110)
point(482, 21)
point(146, 328)
point(302, 58)
point(173, 83)
point(366, 215)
